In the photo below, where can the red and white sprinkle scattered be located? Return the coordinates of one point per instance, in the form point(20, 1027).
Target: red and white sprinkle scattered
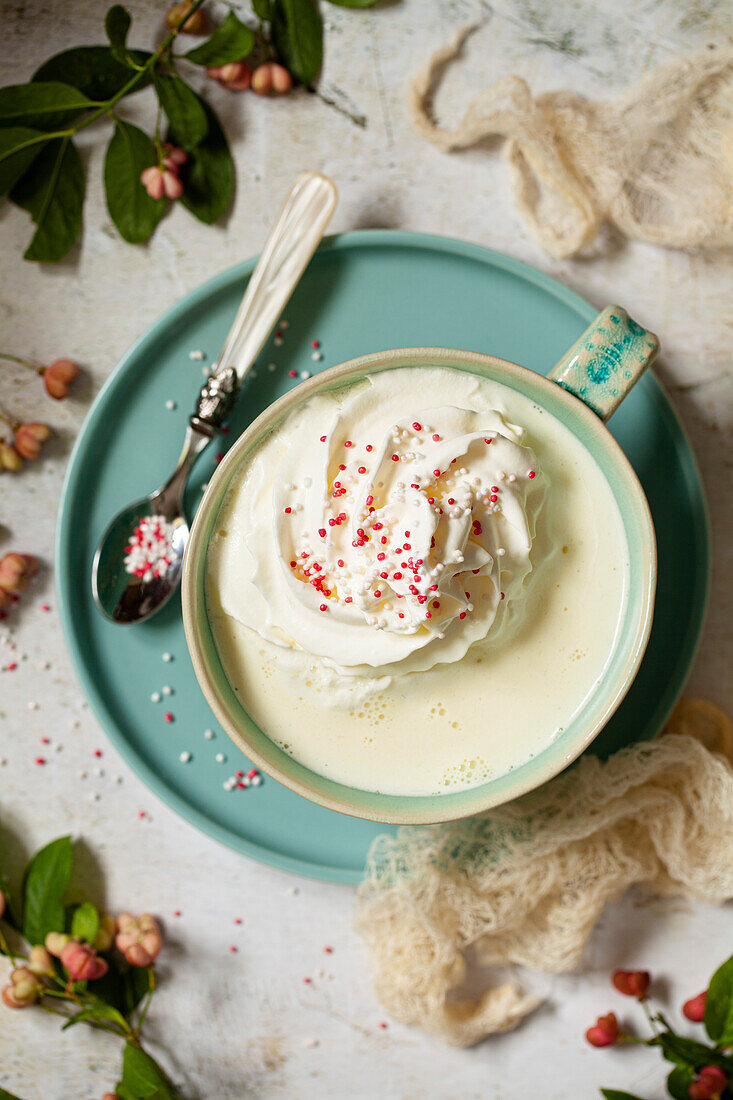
point(150, 551)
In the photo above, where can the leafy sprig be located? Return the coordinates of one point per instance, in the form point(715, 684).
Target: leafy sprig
point(40, 167)
point(701, 1070)
point(116, 1002)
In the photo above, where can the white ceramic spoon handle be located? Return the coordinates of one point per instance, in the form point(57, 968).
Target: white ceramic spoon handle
point(290, 245)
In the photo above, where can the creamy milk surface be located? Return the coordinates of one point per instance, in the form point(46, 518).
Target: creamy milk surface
point(414, 582)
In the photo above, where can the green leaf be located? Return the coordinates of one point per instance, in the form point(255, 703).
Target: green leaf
point(688, 1052)
point(367, 4)
point(719, 1005)
point(679, 1082)
point(142, 1077)
point(44, 883)
point(97, 1013)
point(5, 1095)
point(19, 147)
point(131, 208)
point(208, 176)
point(610, 1094)
point(94, 70)
point(117, 25)
point(230, 42)
point(263, 9)
point(183, 109)
point(41, 106)
point(297, 32)
point(85, 922)
point(52, 191)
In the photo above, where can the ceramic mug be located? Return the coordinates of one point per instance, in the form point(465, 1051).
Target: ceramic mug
point(582, 391)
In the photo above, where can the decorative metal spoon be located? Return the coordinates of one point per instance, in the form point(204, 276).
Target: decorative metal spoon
point(126, 597)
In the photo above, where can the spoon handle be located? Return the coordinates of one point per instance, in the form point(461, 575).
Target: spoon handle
point(290, 245)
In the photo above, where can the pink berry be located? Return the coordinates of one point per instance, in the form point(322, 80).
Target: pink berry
point(694, 1009)
point(605, 1031)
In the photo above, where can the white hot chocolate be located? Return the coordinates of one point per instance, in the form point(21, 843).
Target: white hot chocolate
point(415, 581)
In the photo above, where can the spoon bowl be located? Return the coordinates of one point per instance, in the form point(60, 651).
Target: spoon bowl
point(125, 597)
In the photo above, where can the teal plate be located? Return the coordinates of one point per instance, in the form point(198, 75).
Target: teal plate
point(363, 292)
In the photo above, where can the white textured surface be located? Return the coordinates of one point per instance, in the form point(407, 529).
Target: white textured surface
point(234, 1025)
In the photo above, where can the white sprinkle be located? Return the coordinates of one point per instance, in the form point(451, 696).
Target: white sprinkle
point(3, 761)
point(81, 775)
point(500, 551)
point(317, 356)
point(57, 747)
point(305, 374)
point(209, 735)
point(196, 355)
point(229, 784)
point(272, 366)
point(167, 690)
point(170, 404)
point(278, 341)
point(284, 324)
point(256, 780)
point(185, 757)
point(155, 697)
point(33, 705)
point(512, 477)
point(253, 373)
point(167, 657)
point(99, 771)
point(206, 371)
point(117, 779)
point(204, 486)
point(94, 796)
point(310, 1043)
point(220, 758)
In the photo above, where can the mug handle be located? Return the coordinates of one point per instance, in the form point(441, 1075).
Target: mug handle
point(607, 361)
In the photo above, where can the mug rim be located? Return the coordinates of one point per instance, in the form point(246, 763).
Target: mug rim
point(342, 798)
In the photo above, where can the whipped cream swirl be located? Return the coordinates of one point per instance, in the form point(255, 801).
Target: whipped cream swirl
point(383, 545)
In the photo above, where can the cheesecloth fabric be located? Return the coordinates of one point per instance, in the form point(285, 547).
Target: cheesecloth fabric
point(657, 163)
point(526, 882)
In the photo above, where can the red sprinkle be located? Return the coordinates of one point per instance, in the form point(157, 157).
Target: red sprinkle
point(97, 752)
point(362, 469)
point(293, 373)
point(45, 740)
point(45, 607)
point(323, 607)
point(377, 592)
point(348, 443)
point(397, 576)
point(322, 532)
point(328, 950)
point(383, 1025)
point(237, 920)
point(323, 439)
point(307, 981)
point(40, 760)
point(436, 473)
point(369, 447)
point(219, 456)
point(436, 438)
point(395, 458)
point(176, 912)
point(531, 473)
point(315, 343)
point(502, 595)
point(287, 511)
point(168, 716)
point(416, 426)
point(462, 615)
point(233, 948)
point(381, 557)
point(340, 563)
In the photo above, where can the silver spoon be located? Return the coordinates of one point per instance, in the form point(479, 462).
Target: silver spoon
point(125, 597)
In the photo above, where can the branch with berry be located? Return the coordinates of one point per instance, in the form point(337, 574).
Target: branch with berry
point(83, 966)
point(40, 167)
point(28, 438)
point(702, 1070)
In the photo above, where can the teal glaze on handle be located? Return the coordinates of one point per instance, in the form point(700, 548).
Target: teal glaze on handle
point(607, 361)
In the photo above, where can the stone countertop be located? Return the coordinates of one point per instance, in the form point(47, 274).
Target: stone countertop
point(229, 1025)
